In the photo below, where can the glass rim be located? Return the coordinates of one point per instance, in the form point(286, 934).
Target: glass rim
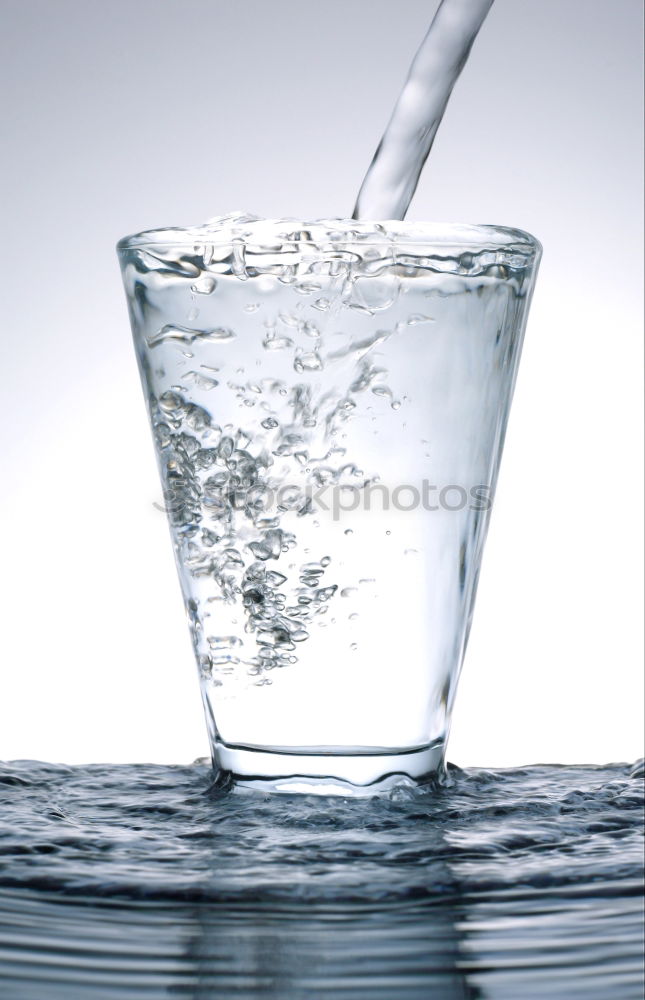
point(335, 234)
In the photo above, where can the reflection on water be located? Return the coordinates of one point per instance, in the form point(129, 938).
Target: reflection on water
point(140, 881)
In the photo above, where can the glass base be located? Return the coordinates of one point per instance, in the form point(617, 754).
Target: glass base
point(346, 771)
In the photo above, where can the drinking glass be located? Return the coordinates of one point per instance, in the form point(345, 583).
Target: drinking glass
point(328, 403)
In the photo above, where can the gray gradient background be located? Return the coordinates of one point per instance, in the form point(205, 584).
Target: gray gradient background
point(127, 115)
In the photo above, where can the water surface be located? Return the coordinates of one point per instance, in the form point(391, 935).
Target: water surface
point(143, 881)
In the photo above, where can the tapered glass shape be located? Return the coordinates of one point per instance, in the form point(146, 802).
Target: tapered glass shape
point(328, 403)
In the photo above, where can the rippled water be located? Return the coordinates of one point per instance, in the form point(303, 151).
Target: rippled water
point(146, 881)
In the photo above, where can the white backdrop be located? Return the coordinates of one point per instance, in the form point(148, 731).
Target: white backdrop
point(139, 113)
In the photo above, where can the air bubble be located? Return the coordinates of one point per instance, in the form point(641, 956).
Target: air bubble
point(288, 319)
point(186, 335)
point(233, 557)
point(310, 362)
point(373, 294)
point(202, 381)
point(170, 402)
point(180, 334)
point(222, 333)
point(197, 417)
point(270, 547)
point(223, 641)
point(277, 343)
point(306, 287)
point(163, 436)
point(204, 286)
point(225, 448)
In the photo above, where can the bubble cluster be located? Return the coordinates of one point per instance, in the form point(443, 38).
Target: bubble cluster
point(215, 490)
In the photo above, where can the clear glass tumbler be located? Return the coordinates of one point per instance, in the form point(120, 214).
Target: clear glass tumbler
point(328, 402)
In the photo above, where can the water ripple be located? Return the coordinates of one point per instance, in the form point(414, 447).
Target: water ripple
point(146, 881)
